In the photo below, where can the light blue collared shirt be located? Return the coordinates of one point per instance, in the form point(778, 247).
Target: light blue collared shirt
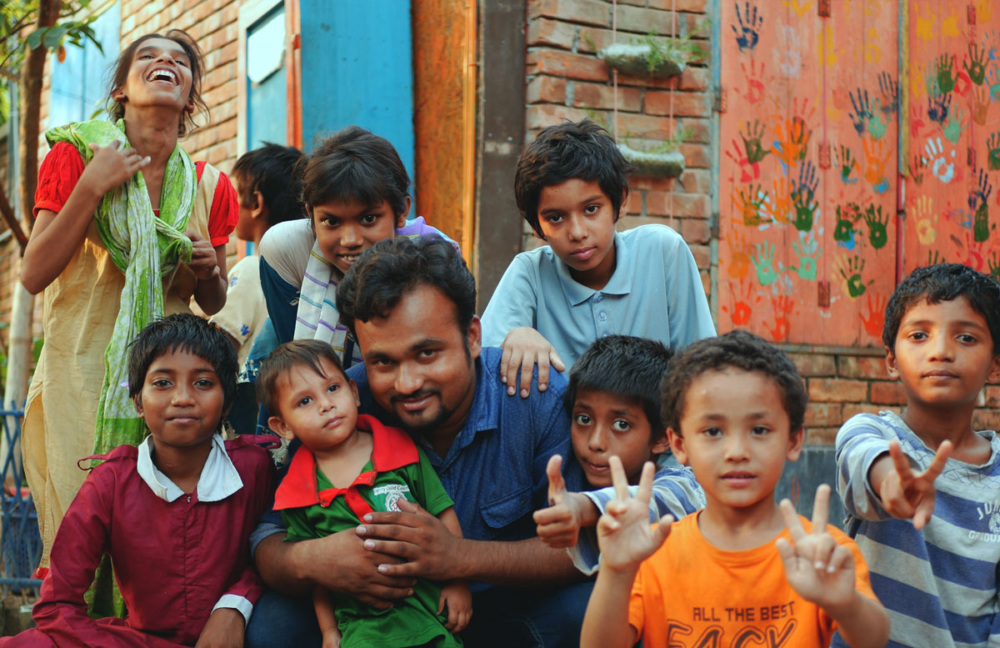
point(655, 292)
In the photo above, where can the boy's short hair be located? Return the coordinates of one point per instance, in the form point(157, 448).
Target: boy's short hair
point(628, 367)
point(570, 150)
point(183, 332)
point(392, 268)
point(275, 172)
point(944, 282)
point(297, 353)
point(355, 164)
point(741, 350)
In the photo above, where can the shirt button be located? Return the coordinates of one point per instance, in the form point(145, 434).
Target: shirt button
point(602, 316)
point(599, 297)
point(606, 334)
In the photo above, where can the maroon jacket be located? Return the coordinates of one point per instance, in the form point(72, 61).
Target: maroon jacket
point(173, 560)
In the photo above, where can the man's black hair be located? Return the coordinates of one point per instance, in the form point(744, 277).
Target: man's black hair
point(183, 332)
point(297, 353)
point(630, 368)
point(939, 283)
point(570, 150)
point(392, 268)
point(275, 171)
point(740, 350)
point(354, 164)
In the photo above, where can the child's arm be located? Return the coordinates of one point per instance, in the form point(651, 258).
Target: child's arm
point(455, 594)
point(822, 572)
point(523, 348)
point(906, 494)
point(326, 614)
point(626, 539)
point(209, 265)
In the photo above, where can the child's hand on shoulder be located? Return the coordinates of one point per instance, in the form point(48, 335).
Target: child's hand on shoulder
point(623, 533)
point(906, 494)
point(523, 348)
point(111, 166)
point(455, 596)
point(816, 567)
point(559, 524)
point(225, 629)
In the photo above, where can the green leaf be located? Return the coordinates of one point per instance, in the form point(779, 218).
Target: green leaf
point(35, 38)
point(54, 36)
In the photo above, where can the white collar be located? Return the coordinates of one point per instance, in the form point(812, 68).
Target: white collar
point(218, 480)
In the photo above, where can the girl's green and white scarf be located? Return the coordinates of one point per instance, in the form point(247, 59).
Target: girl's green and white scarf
point(143, 247)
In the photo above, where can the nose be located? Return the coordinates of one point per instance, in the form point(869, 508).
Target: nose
point(183, 395)
point(409, 379)
point(576, 228)
point(941, 348)
point(598, 440)
point(736, 447)
point(350, 235)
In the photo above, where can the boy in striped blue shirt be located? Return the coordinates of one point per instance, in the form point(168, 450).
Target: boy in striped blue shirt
point(922, 490)
point(613, 400)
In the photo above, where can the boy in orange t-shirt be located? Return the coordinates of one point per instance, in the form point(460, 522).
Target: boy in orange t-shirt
point(734, 407)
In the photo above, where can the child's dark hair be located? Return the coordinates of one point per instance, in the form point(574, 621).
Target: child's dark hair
point(297, 353)
point(183, 332)
point(272, 170)
point(569, 150)
point(629, 367)
point(939, 283)
point(740, 350)
point(119, 74)
point(392, 268)
point(355, 164)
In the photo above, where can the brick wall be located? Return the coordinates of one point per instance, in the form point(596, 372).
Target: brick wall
point(565, 79)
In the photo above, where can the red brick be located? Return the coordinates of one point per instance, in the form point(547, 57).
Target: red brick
point(992, 396)
point(837, 390)
point(814, 364)
point(986, 419)
point(588, 12)
point(706, 282)
point(677, 204)
point(887, 393)
point(656, 184)
point(697, 6)
point(546, 89)
point(853, 409)
point(698, 130)
point(551, 32)
point(643, 21)
point(693, 78)
point(868, 367)
point(686, 104)
point(573, 66)
point(824, 414)
point(702, 256)
point(634, 203)
point(697, 156)
point(645, 126)
point(696, 230)
point(594, 95)
point(695, 181)
point(541, 115)
point(821, 436)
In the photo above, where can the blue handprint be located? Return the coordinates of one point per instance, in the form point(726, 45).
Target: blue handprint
point(862, 110)
point(747, 36)
point(889, 87)
point(937, 108)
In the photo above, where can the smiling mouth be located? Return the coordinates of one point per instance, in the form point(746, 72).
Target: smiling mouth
point(162, 74)
point(413, 402)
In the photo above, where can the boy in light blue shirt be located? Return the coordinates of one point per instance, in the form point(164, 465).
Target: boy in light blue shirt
point(590, 281)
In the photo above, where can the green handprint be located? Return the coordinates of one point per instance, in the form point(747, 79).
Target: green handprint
point(993, 157)
point(803, 193)
point(751, 201)
point(953, 129)
point(979, 201)
point(763, 261)
point(877, 234)
point(807, 249)
point(847, 215)
point(751, 142)
point(934, 257)
point(876, 125)
point(993, 264)
point(945, 78)
point(976, 63)
point(851, 270)
point(848, 165)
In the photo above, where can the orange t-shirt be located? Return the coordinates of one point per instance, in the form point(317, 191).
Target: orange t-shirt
point(691, 594)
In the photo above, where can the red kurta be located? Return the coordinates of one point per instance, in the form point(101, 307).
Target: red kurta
point(173, 560)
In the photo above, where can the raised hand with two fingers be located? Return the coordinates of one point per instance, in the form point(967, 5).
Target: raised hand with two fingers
point(623, 533)
point(907, 494)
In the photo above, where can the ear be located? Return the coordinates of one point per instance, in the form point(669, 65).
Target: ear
point(890, 363)
point(401, 218)
point(660, 444)
point(676, 443)
point(994, 370)
point(137, 401)
point(118, 94)
point(277, 424)
point(624, 206)
point(258, 205)
point(475, 337)
point(795, 440)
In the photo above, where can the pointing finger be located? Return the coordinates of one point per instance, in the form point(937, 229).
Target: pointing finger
point(619, 479)
point(821, 509)
point(556, 484)
point(940, 459)
point(792, 521)
point(900, 462)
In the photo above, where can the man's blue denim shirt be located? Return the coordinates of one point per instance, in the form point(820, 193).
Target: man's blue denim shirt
point(495, 468)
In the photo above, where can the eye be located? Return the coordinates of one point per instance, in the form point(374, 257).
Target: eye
point(370, 219)
point(581, 419)
point(966, 338)
point(621, 425)
point(917, 336)
point(590, 210)
point(712, 432)
point(427, 354)
point(553, 218)
point(305, 400)
point(760, 430)
point(333, 387)
point(204, 383)
point(161, 383)
point(330, 222)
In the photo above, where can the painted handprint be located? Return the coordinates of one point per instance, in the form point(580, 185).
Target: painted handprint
point(993, 155)
point(847, 163)
point(877, 223)
point(744, 300)
point(739, 255)
point(803, 193)
point(861, 110)
point(937, 159)
point(953, 130)
point(874, 321)
point(793, 141)
point(847, 216)
point(980, 104)
point(781, 201)
point(975, 63)
point(876, 158)
point(934, 257)
point(789, 57)
point(783, 306)
point(750, 203)
point(755, 81)
point(850, 268)
point(807, 250)
point(748, 34)
point(916, 119)
point(978, 203)
point(889, 89)
point(944, 74)
point(973, 251)
point(925, 23)
point(925, 220)
point(751, 137)
point(937, 108)
point(748, 172)
point(993, 265)
point(763, 262)
point(917, 168)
